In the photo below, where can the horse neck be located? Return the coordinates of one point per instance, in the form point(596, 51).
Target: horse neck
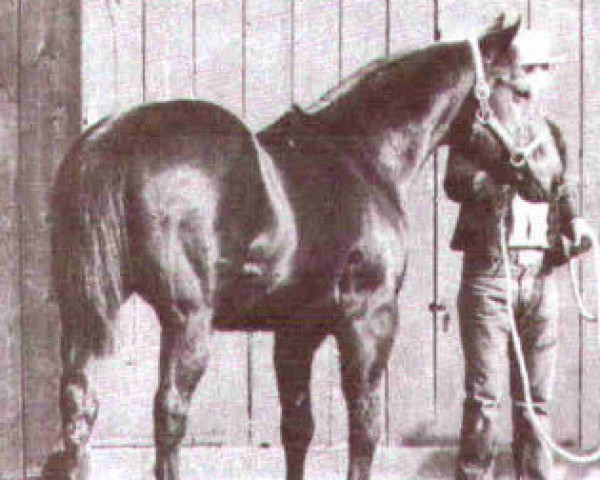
point(393, 141)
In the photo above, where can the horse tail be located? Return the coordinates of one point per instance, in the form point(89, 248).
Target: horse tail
point(89, 244)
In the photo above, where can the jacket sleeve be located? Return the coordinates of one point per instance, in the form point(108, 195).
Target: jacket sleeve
point(465, 180)
point(566, 195)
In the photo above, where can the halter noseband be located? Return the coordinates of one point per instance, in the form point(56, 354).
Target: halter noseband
point(485, 115)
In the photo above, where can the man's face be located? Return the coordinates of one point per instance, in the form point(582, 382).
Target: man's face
point(532, 81)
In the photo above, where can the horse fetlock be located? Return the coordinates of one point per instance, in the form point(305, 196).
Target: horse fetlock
point(79, 410)
point(360, 467)
point(167, 464)
point(365, 428)
point(66, 465)
point(170, 420)
point(76, 433)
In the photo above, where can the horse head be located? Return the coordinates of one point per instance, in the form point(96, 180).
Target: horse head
point(506, 129)
point(483, 64)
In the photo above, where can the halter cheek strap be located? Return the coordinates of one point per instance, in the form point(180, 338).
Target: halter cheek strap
point(485, 115)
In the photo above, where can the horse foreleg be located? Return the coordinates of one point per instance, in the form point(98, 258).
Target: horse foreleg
point(183, 361)
point(78, 409)
point(365, 343)
point(294, 352)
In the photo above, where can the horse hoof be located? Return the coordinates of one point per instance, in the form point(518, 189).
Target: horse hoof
point(62, 466)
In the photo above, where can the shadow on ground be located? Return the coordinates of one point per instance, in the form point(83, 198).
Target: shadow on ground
point(440, 464)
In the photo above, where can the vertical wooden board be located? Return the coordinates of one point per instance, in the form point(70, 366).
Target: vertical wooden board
point(127, 48)
point(111, 57)
point(410, 25)
point(456, 21)
point(450, 371)
point(11, 428)
point(50, 119)
point(268, 95)
point(410, 402)
point(363, 33)
point(316, 49)
point(169, 49)
point(268, 61)
point(219, 53)
point(591, 210)
point(128, 378)
point(219, 412)
point(561, 19)
point(460, 18)
point(98, 82)
point(316, 69)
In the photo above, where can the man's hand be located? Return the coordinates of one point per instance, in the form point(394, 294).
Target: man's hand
point(484, 186)
point(583, 235)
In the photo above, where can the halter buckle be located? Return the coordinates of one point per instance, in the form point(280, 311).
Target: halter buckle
point(482, 91)
point(483, 113)
point(518, 159)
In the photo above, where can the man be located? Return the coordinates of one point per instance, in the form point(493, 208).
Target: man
point(536, 212)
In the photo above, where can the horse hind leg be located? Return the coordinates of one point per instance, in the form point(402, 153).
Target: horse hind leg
point(178, 248)
point(79, 409)
point(294, 352)
point(183, 301)
point(183, 360)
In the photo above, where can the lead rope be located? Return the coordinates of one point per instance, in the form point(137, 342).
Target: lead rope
point(533, 416)
point(585, 313)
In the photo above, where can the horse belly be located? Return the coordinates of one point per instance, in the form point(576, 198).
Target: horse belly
point(260, 242)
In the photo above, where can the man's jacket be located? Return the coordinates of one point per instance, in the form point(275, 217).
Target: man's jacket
point(482, 207)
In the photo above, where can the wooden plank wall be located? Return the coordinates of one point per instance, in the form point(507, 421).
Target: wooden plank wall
point(256, 58)
point(49, 121)
point(40, 106)
point(11, 402)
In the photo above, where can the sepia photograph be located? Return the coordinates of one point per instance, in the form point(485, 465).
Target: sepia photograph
point(299, 239)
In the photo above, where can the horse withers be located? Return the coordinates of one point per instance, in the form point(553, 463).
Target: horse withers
point(298, 229)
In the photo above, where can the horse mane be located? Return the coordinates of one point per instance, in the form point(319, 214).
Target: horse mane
point(346, 85)
point(405, 72)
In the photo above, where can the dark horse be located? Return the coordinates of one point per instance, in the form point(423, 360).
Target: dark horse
point(299, 229)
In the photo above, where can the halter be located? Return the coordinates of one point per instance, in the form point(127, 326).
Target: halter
point(519, 159)
point(485, 115)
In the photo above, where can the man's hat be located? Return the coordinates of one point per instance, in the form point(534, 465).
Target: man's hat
point(534, 47)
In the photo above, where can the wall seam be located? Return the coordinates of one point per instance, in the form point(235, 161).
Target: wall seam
point(581, 171)
point(20, 229)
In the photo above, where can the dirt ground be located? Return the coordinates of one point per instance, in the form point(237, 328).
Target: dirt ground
point(216, 463)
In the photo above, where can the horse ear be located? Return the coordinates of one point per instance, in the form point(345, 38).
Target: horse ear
point(498, 37)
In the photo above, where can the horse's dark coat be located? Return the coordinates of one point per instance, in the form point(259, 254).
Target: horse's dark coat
point(299, 228)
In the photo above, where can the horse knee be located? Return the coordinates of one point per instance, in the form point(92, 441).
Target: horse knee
point(79, 410)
